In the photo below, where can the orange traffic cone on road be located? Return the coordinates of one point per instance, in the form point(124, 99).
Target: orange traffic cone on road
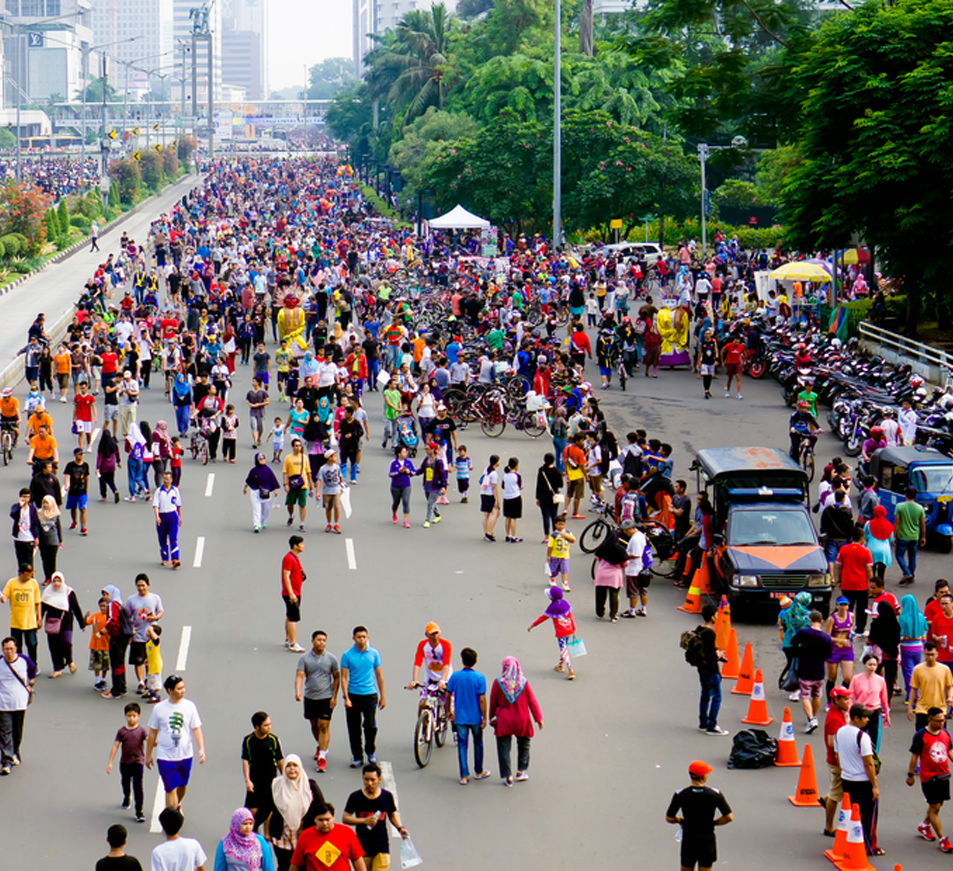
point(698, 588)
point(806, 795)
point(786, 757)
point(745, 674)
point(839, 850)
point(730, 669)
point(758, 707)
point(855, 859)
point(723, 625)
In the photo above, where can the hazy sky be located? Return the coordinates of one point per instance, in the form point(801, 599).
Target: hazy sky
point(304, 33)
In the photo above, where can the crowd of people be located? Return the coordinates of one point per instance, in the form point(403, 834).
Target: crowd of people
point(56, 176)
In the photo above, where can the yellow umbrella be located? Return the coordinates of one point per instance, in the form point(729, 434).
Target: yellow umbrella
point(800, 271)
point(854, 256)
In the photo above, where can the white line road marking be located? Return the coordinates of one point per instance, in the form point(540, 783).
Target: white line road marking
point(158, 806)
point(346, 502)
point(92, 439)
point(390, 784)
point(349, 547)
point(199, 550)
point(210, 484)
point(183, 657)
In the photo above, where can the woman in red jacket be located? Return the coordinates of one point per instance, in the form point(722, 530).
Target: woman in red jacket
point(513, 708)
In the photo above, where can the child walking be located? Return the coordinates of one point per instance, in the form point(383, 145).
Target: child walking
point(277, 440)
point(230, 426)
point(464, 466)
point(99, 644)
point(560, 612)
point(557, 552)
point(175, 461)
point(132, 739)
point(153, 665)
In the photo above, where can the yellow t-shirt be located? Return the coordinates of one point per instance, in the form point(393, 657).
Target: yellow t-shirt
point(153, 657)
point(23, 600)
point(558, 547)
point(932, 685)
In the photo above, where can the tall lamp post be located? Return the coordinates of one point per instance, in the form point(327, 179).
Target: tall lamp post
point(86, 53)
point(704, 152)
point(557, 132)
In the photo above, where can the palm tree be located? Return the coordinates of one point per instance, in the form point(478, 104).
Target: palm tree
point(409, 64)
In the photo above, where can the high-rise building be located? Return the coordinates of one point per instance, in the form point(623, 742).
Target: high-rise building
point(149, 21)
point(182, 24)
point(45, 58)
point(245, 46)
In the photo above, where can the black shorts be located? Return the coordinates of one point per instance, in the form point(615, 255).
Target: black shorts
point(317, 709)
point(698, 851)
point(936, 790)
point(487, 503)
point(513, 508)
point(292, 609)
point(137, 653)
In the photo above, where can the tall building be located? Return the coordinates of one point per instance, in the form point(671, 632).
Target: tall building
point(182, 24)
point(45, 58)
point(149, 21)
point(376, 16)
point(245, 46)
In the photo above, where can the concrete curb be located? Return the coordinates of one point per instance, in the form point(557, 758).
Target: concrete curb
point(13, 373)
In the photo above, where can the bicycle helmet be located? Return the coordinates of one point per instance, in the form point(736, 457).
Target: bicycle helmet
point(802, 405)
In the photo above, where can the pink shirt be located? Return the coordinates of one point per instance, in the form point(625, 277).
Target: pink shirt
point(871, 692)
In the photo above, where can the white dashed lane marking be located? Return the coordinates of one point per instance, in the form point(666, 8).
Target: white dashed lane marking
point(182, 659)
point(157, 807)
point(199, 550)
point(351, 558)
point(210, 484)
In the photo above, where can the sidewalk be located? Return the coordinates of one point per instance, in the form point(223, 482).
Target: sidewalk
point(55, 290)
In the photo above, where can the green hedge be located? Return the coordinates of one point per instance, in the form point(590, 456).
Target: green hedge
point(81, 221)
point(11, 245)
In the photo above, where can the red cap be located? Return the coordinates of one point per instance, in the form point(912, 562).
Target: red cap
point(699, 768)
point(840, 693)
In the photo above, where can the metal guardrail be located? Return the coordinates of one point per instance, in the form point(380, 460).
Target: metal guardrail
point(932, 363)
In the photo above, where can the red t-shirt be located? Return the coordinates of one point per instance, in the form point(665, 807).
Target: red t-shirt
point(109, 362)
point(932, 611)
point(853, 560)
point(941, 631)
point(832, 722)
point(83, 403)
point(734, 352)
point(331, 852)
point(886, 597)
point(290, 563)
point(169, 327)
point(934, 753)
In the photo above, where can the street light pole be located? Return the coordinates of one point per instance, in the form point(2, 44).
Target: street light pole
point(704, 152)
point(557, 132)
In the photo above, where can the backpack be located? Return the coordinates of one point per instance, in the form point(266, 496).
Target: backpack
point(691, 643)
point(631, 464)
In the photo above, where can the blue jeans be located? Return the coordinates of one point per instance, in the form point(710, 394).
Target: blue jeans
point(710, 703)
point(908, 547)
point(910, 656)
point(135, 473)
point(463, 731)
point(559, 445)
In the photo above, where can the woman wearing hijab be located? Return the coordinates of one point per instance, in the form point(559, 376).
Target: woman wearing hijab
point(135, 445)
point(119, 631)
point(263, 485)
point(182, 402)
point(878, 538)
point(108, 459)
point(161, 451)
point(296, 799)
point(913, 632)
point(513, 708)
point(884, 638)
point(59, 606)
point(51, 536)
point(241, 849)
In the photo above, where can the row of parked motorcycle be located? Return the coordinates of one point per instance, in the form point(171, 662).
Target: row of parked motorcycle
point(860, 391)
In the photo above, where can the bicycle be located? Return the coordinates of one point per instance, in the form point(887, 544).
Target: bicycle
point(432, 724)
point(198, 445)
point(806, 456)
point(623, 374)
point(7, 444)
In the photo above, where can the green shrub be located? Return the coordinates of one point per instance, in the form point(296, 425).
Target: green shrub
point(897, 306)
point(62, 242)
point(81, 221)
point(22, 266)
point(3, 251)
point(11, 245)
point(62, 212)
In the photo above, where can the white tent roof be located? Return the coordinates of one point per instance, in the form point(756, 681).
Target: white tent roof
point(459, 218)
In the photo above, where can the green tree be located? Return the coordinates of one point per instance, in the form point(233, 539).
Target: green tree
point(329, 76)
point(875, 128)
point(94, 91)
point(62, 214)
point(774, 167)
point(7, 139)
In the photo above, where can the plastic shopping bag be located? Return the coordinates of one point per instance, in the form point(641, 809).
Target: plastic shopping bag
point(577, 647)
point(408, 854)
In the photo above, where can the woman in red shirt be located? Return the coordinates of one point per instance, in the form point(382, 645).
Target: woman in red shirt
point(513, 708)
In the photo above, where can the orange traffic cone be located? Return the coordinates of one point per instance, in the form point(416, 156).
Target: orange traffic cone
point(746, 674)
point(839, 850)
point(786, 757)
point(722, 624)
point(855, 858)
point(758, 707)
point(807, 783)
point(699, 588)
point(729, 670)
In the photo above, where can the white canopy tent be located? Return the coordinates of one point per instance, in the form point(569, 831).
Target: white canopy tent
point(459, 218)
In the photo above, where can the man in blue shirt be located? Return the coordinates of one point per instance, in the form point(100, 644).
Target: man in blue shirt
point(361, 682)
point(468, 688)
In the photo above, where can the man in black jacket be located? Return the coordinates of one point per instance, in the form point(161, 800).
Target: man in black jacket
point(837, 527)
point(709, 675)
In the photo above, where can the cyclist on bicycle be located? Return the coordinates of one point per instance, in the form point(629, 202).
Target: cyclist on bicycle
point(803, 426)
point(10, 413)
point(433, 654)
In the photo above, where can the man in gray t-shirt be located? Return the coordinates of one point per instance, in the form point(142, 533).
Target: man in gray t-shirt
point(257, 399)
point(317, 681)
point(143, 609)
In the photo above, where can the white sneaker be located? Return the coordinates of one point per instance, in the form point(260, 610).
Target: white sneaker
point(794, 697)
point(717, 730)
point(727, 394)
point(740, 396)
point(296, 648)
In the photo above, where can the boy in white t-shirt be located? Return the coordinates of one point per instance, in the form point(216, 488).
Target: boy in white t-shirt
point(176, 853)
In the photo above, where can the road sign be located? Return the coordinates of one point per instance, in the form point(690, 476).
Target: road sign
point(615, 224)
point(157, 147)
point(112, 134)
point(135, 131)
point(136, 155)
point(155, 127)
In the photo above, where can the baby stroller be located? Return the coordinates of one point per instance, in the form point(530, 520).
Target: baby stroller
point(406, 434)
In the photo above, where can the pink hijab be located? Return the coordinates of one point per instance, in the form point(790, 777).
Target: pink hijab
point(244, 848)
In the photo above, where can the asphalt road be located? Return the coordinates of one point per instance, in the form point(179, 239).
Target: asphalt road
point(616, 742)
